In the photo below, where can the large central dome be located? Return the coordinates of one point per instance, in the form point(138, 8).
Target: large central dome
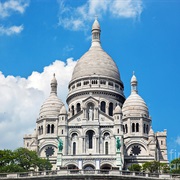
point(95, 73)
point(96, 61)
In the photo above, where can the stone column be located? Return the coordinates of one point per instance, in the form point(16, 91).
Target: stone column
point(97, 145)
point(101, 145)
point(44, 128)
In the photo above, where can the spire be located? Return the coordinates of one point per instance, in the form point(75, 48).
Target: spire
point(134, 84)
point(54, 85)
point(96, 32)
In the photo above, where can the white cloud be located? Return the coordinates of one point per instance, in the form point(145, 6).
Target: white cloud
point(126, 8)
point(10, 6)
point(11, 30)
point(178, 140)
point(21, 99)
point(75, 18)
point(7, 9)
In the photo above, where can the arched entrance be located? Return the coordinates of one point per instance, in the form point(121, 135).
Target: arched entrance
point(89, 169)
point(105, 168)
point(73, 169)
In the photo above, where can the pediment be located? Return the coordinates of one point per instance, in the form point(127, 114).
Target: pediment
point(90, 99)
point(77, 118)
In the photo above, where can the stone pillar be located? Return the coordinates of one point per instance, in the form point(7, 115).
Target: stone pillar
point(83, 145)
point(44, 128)
point(97, 145)
point(119, 160)
point(97, 163)
point(96, 113)
point(102, 146)
point(59, 160)
point(80, 163)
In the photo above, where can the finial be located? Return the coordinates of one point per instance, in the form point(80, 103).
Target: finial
point(54, 74)
point(54, 84)
point(96, 31)
point(134, 83)
point(133, 72)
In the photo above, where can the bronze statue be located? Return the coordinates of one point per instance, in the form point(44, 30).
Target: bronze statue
point(60, 144)
point(118, 143)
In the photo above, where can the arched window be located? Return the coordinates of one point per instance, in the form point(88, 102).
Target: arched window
point(52, 128)
point(106, 147)
point(137, 127)
point(39, 130)
point(118, 131)
point(103, 106)
point(133, 127)
point(126, 129)
point(78, 107)
point(144, 128)
point(147, 129)
point(111, 109)
point(62, 131)
point(72, 108)
point(90, 134)
point(74, 148)
point(48, 128)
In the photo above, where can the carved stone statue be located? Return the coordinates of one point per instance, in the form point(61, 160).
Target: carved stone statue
point(90, 113)
point(118, 143)
point(60, 144)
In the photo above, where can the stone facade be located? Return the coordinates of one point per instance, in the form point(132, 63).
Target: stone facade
point(98, 117)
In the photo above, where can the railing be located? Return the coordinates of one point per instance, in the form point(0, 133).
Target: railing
point(78, 172)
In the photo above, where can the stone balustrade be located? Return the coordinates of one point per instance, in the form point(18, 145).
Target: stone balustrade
point(92, 174)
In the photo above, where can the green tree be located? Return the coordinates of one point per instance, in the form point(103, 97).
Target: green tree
point(164, 167)
point(152, 167)
point(25, 158)
point(135, 167)
point(175, 166)
point(43, 164)
point(6, 157)
point(22, 160)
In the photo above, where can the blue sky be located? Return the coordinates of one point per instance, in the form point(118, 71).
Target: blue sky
point(40, 37)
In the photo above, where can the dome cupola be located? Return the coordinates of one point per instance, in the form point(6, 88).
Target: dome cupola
point(134, 105)
point(63, 110)
point(51, 107)
point(117, 110)
point(96, 61)
point(96, 72)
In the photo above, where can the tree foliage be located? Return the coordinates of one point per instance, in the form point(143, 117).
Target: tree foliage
point(152, 167)
point(175, 166)
point(22, 160)
point(135, 167)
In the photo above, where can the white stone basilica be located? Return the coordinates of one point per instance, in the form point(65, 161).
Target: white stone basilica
point(98, 114)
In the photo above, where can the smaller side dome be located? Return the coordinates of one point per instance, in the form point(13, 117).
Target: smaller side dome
point(51, 107)
point(63, 111)
point(134, 104)
point(117, 110)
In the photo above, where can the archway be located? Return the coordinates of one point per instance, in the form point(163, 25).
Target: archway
point(89, 169)
point(73, 169)
point(105, 168)
point(89, 136)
